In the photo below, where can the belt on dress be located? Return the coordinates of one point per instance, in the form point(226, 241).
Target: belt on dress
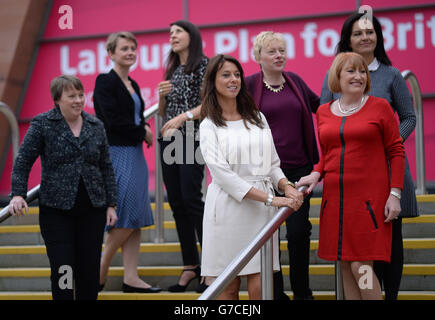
point(266, 180)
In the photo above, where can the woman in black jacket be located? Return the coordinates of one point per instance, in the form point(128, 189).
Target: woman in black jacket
point(78, 189)
point(118, 103)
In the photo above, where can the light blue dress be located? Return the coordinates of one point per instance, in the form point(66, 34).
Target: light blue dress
point(133, 206)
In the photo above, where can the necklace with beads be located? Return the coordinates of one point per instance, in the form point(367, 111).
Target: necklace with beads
point(275, 90)
point(350, 110)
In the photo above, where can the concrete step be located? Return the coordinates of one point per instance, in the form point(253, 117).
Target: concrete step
point(164, 295)
point(415, 277)
point(419, 243)
point(426, 205)
point(417, 250)
point(422, 226)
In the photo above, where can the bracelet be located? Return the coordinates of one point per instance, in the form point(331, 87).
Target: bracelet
point(397, 195)
point(269, 200)
point(291, 184)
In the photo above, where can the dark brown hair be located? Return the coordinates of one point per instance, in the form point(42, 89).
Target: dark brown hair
point(210, 105)
point(63, 82)
point(195, 50)
point(346, 32)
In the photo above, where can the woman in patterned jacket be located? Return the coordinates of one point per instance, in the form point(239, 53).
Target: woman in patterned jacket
point(179, 99)
point(78, 189)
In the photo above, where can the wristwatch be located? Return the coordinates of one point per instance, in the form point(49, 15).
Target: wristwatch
point(291, 184)
point(189, 115)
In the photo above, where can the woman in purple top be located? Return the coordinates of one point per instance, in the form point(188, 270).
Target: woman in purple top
point(288, 103)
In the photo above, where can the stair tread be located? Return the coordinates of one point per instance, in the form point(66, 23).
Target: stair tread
point(34, 228)
point(313, 201)
point(190, 295)
point(150, 247)
point(319, 269)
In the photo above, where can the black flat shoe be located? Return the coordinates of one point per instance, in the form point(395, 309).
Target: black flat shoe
point(101, 287)
point(129, 289)
point(179, 288)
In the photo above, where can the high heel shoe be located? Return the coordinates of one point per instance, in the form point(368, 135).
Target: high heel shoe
point(201, 287)
point(101, 287)
point(180, 288)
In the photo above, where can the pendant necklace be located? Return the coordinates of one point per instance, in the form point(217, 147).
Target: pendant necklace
point(268, 86)
point(349, 111)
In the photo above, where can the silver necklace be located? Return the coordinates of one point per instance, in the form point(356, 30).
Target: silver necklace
point(350, 110)
point(268, 86)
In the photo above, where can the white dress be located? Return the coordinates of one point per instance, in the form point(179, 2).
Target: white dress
point(238, 159)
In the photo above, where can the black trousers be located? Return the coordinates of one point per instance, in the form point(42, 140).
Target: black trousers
point(298, 236)
point(73, 239)
point(390, 274)
point(183, 181)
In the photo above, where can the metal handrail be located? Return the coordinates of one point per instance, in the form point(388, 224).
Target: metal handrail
point(158, 191)
point(420, 162)
point(419, 132)
point(262, 240)
point(33, 194)
point(15, 133)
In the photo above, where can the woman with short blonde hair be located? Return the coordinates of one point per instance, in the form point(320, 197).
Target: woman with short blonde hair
point(288, 104)
point(119, 104)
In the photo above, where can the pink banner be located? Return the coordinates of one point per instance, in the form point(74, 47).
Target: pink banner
point(409, 40)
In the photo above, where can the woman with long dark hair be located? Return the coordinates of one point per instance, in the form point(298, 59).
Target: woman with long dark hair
point(238, 149)
point(365, 38)
point(182, 172)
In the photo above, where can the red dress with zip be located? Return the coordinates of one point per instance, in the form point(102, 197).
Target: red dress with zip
point(355, 151)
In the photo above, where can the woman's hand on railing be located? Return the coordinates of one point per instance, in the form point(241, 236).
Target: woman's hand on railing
point(311, 181)
point(293, 193)
point(17, 205)
point(292, 203)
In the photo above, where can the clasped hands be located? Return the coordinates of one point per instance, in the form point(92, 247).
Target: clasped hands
point(292, 199)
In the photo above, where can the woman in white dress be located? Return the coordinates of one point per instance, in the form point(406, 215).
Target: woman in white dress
point(238, 148)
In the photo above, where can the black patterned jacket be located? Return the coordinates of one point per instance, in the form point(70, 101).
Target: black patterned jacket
point(64, 158)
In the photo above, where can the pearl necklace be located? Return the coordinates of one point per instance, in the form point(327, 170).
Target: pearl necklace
point(350, 110)
point(268, 86)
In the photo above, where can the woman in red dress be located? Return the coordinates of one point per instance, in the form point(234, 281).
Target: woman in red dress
point(358, 136)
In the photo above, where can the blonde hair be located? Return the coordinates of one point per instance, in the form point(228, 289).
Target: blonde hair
point(112, 40)
point(339, 62)
point(263, 39)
